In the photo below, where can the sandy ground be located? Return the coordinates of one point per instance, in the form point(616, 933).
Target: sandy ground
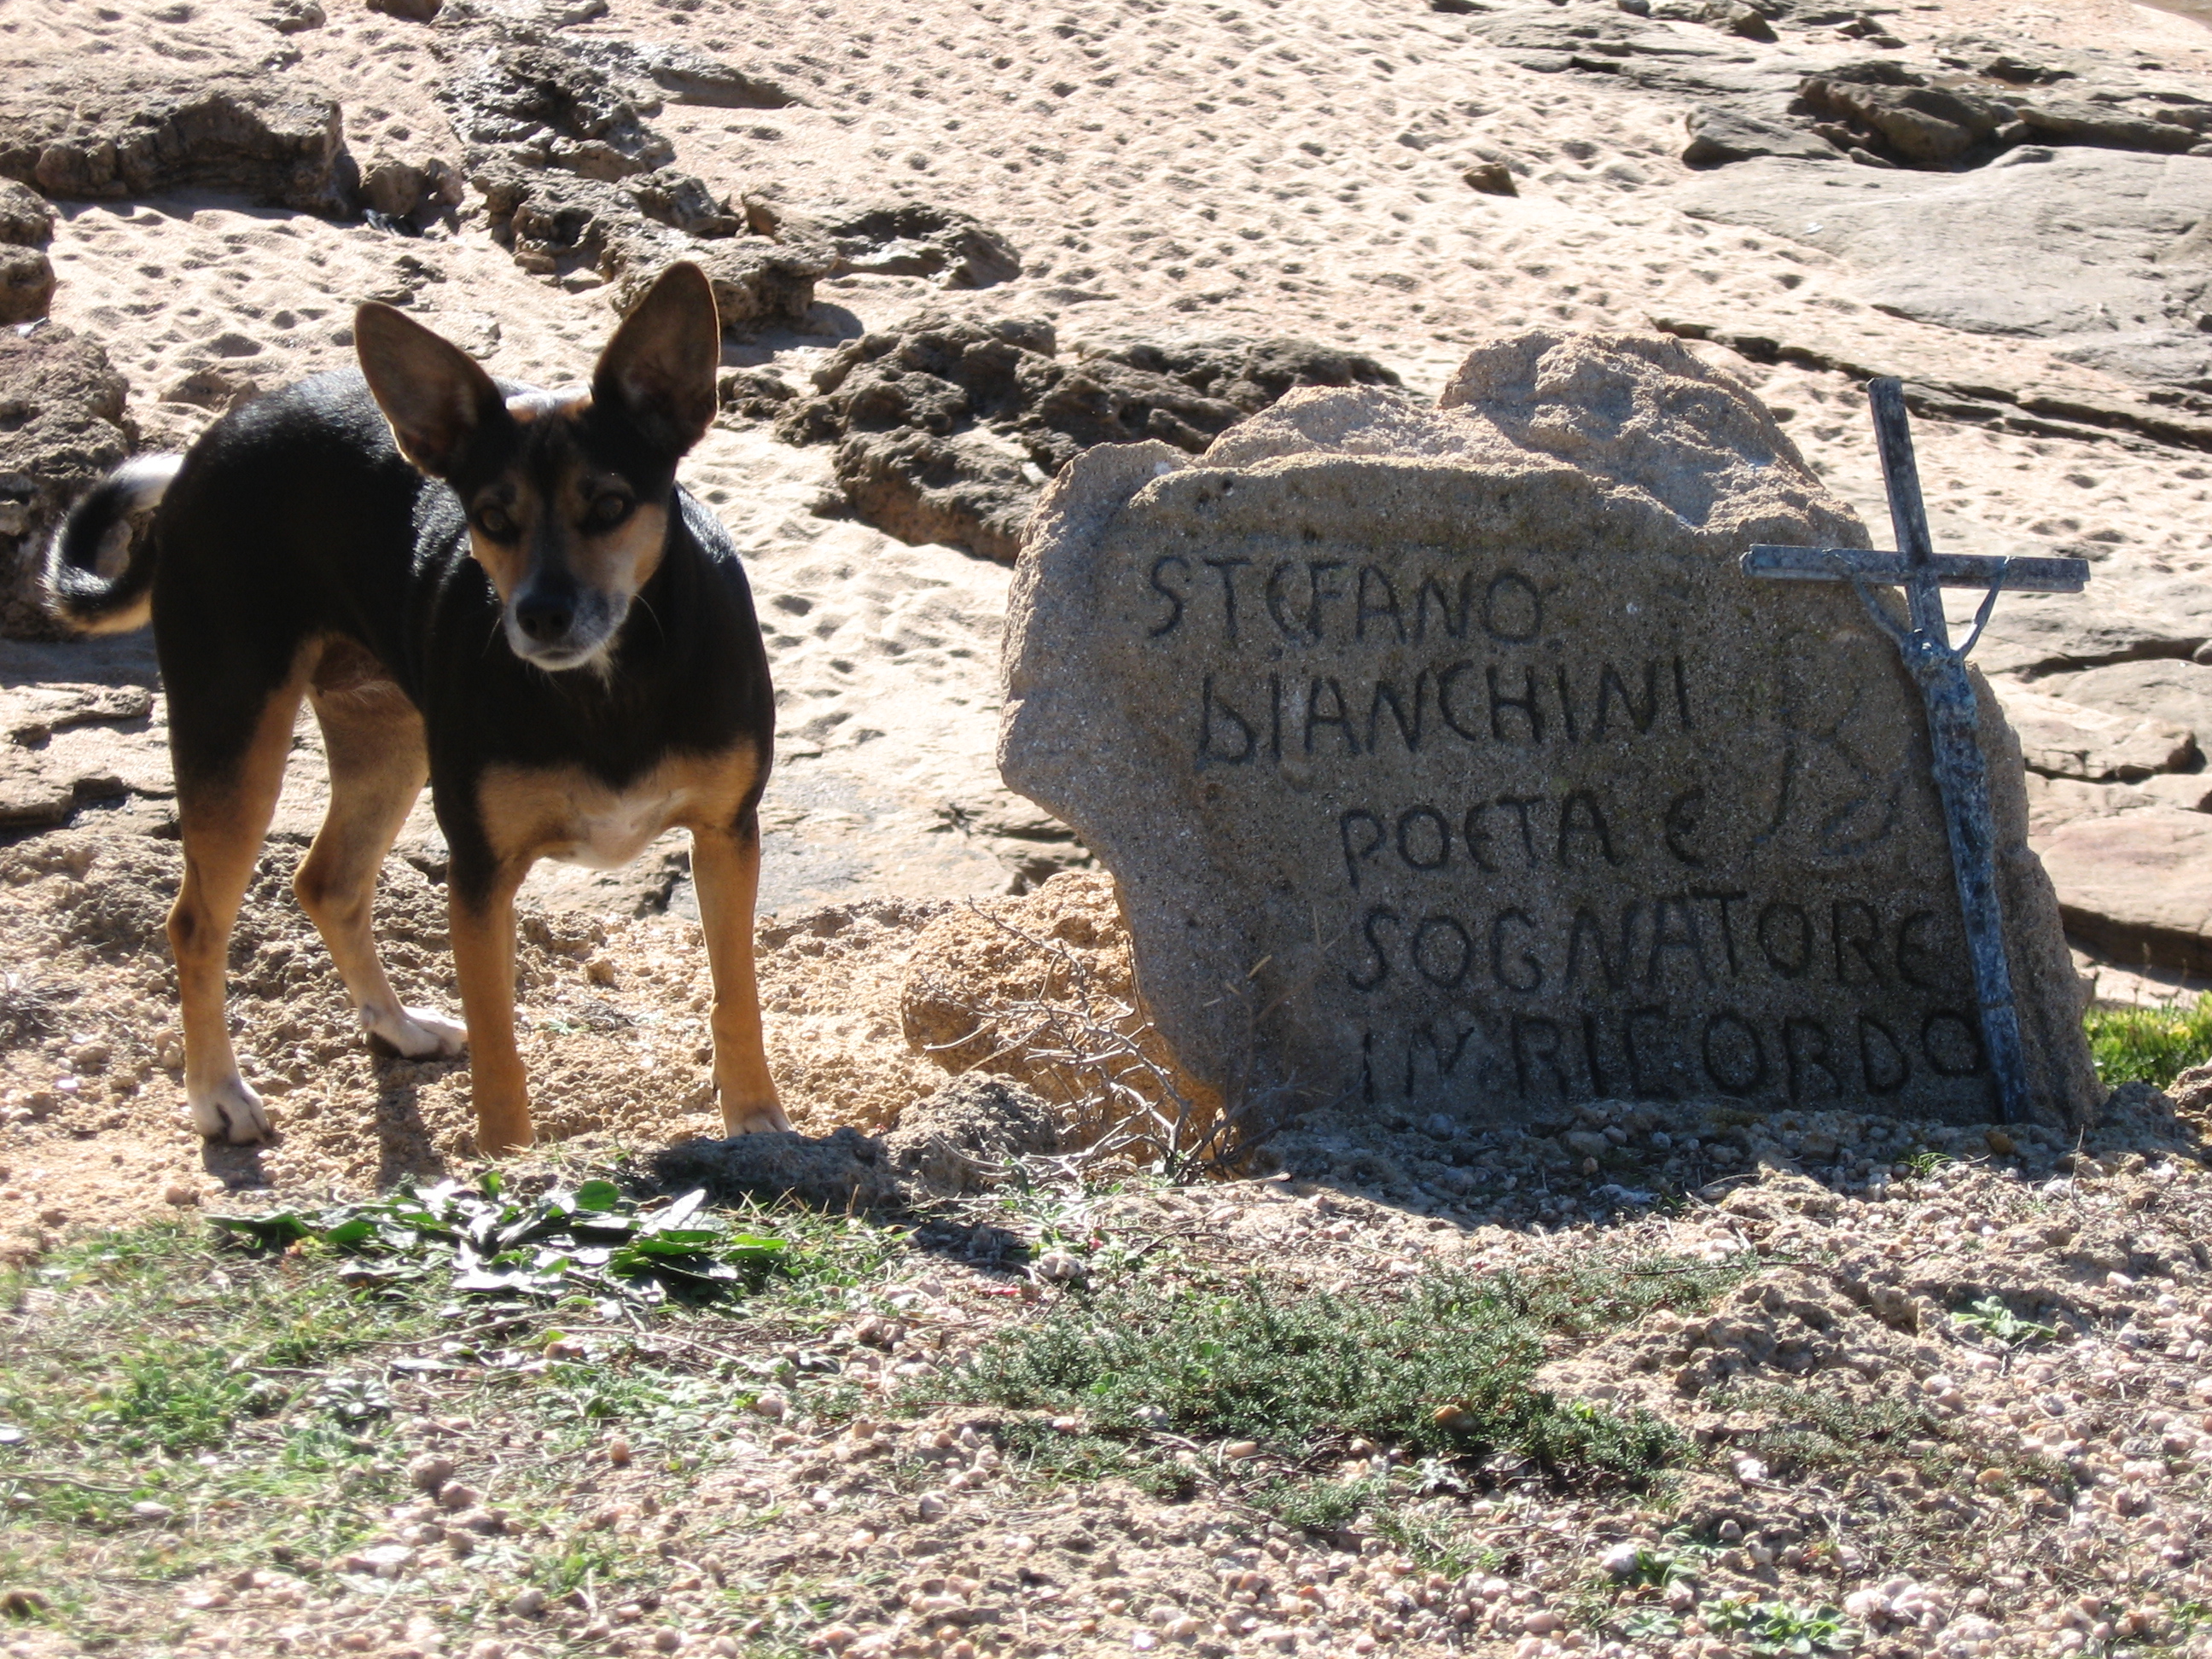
point(1169, 170)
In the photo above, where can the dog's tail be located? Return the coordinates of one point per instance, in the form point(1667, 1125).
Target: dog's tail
point(84, 587)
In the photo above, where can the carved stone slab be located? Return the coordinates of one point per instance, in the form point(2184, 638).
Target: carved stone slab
point(1446, 759)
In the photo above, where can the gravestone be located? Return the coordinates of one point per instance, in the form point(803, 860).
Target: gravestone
point(1445, 758)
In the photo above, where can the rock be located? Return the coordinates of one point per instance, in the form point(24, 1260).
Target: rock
point(66, 427)
point(1921, 125)
point(414, 11)
point(2063, 121)
point(894, 239)
point(415, 192)
point(946, 428)
point(631, 230)
point(540, 103)
point(2137, 888)
point(110, 136)
point(682, 73)
point(965, 492)
point(1718, 136)
point(969, 1135)
point(294, 16)
point(2135, 619)
point(2178, 692)
point(1746, 21)
point(27, 284)
point(554, 223)
point(1491, 179)
point(2068, 740)
point(1504, 786)
point(2073, 231)
point(26, 220)
point(430, 1472)
point(757, 282)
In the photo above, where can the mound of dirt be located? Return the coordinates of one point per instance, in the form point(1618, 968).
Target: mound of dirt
point(1040, 989)
point(961, 1141)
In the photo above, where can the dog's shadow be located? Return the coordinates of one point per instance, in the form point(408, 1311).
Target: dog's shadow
point(405, 1148)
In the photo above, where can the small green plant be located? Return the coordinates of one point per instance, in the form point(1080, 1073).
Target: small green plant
point(1443, 1372)
point(1778, 1627)
point(1650, 1624)
point(1435, 1540)
point(589, 1239)
point(1321, 1505)
point(1925, 1162)
point(2148, 1045)
point(1663, 1567)
point(1993, 1319)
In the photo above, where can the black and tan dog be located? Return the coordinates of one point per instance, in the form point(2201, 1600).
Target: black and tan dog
point(499, 590)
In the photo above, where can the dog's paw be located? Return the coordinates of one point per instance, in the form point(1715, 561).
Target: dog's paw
point(754, 1120)
point(230, 1111)
point(418, 1033)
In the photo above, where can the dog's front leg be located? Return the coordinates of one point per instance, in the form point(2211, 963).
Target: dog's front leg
point(725, 867)
point(481, 917)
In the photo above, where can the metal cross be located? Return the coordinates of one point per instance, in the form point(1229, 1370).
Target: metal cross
point(1952, 720)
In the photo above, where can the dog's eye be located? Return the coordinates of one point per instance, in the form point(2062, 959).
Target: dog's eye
point(493, 523)
point(608, 511)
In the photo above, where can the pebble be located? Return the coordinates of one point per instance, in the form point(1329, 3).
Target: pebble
point(526, 1603)
point(1057, 1266)
point(181, 1194)
point(930, 1505)
point(771, 1405)
point(430, 1472)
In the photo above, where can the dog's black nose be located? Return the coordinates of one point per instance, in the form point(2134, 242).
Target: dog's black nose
point(544, 614)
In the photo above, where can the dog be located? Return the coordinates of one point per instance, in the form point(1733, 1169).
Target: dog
point(497, 590)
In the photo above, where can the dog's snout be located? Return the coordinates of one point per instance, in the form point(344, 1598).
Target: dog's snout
point(545, 613)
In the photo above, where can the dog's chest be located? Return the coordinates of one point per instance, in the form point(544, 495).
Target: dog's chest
point(566, 815)
point(605, 833)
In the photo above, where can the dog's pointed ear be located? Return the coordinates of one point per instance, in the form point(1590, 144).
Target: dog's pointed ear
point(437, 397)
point(658, 372)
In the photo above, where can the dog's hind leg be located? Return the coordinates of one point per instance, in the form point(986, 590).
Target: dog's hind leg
point(226, 793)
point(377, 765)
point(725, 866)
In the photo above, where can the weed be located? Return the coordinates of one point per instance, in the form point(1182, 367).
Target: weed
point(1663, 1567)
point(1435, 1541)
point(1650, 1624)
point(1444, 1371)
point(1323, 1506)
point(1778, 1627)
point(1812, 1432)
point(1995, 1320)
point(1925, 1162)
point(1061, 1458)
point(2148, 1045)
point(589, 1239)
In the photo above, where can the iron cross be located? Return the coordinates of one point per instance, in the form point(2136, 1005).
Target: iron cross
point(1952, 720)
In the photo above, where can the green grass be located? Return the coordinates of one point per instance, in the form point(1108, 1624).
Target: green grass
point(260, 1399)
point(1444, 1370)
point(2149, 1045)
